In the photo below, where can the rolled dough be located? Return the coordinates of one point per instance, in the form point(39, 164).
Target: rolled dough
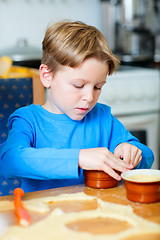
point(54, 225)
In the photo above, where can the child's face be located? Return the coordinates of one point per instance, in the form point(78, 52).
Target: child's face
point(75, 91)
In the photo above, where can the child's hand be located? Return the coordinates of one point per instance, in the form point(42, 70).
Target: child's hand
point(102, 159)
point(129, 153)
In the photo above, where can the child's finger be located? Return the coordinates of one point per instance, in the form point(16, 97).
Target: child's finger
point(118, 164)
point(111, 172)
point(137, 158)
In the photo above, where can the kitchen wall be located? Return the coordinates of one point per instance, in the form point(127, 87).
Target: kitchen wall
point(28, 19)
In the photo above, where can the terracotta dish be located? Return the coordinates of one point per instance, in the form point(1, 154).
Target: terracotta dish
point(142, 185)
point(99, 179)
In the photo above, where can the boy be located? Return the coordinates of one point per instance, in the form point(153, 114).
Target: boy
point(49, 146)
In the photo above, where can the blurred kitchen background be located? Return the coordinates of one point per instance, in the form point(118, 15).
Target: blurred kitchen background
point(132, 29)
point(23, 22)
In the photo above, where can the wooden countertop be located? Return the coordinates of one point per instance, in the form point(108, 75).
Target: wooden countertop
point(150, 212)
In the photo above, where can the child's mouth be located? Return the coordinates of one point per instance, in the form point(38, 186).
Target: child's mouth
point(82, 110)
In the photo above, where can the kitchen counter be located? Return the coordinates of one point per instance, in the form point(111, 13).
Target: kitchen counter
point(149, 212)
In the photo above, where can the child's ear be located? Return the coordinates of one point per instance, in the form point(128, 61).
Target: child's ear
point(45, 75)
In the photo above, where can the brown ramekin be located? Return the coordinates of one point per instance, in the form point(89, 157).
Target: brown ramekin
point(99, 179)
point(139, 190)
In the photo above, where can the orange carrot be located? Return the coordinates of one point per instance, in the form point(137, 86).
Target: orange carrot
point(22, 215)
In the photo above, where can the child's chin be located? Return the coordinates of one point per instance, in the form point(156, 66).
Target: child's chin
point(77, 118)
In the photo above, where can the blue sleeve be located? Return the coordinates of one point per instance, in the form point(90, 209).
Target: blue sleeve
point(120, 134)
point(20, 159)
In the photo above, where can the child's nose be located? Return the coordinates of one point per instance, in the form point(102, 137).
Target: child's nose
point(88, 95)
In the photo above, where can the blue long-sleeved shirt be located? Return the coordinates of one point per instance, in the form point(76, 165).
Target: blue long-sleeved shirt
point(43, 148)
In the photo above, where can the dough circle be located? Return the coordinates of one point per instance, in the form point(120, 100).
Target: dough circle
point(54, 226)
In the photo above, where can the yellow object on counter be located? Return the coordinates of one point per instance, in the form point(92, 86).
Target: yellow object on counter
point(21, 72)
point(5, 65)
point(7, 70)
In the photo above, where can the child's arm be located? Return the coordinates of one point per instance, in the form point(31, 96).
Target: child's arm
point(43, 164)
point(126, 148)
point(19, 158)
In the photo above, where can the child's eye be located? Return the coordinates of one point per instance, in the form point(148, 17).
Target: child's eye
point(78, 86)
point(97, 88)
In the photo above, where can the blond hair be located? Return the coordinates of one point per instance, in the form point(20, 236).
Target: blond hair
point(69, 43)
